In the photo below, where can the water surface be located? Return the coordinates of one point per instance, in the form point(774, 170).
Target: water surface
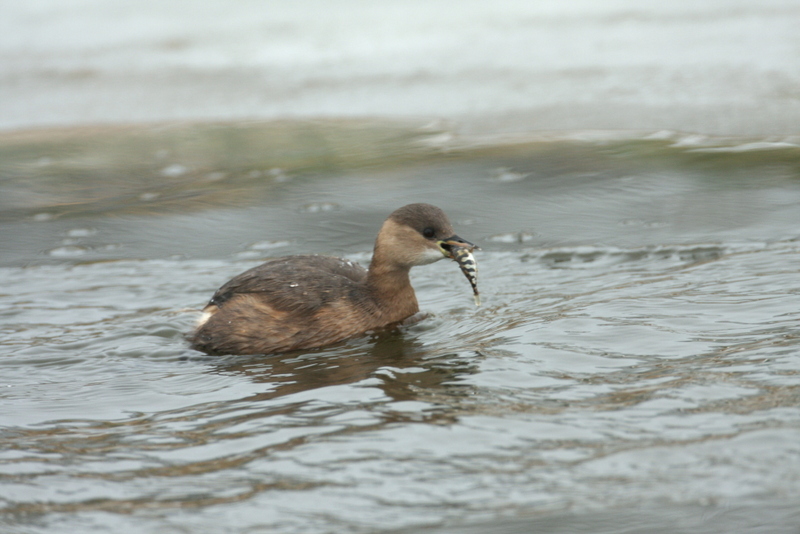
point(634, 365)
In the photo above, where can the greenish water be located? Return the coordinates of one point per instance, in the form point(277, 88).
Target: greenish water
point(636, 362)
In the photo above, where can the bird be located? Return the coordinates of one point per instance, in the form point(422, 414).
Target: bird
point(311, 301)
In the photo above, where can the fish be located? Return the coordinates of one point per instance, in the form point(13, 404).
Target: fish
point(466, 261)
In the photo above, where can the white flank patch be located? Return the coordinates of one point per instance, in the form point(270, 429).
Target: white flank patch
point(203, 318)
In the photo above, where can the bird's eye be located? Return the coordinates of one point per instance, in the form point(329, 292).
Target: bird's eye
point(429, 232)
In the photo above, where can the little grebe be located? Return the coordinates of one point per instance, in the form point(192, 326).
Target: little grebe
point(303, 302)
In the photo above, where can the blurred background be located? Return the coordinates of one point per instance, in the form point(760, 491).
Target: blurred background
point(715, 67)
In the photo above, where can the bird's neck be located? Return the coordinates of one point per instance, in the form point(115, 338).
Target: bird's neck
point(391, 288)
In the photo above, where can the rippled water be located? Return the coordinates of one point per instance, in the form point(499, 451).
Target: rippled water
point(635, 365)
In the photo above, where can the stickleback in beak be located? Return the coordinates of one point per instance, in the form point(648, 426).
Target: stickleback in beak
point(460, 250)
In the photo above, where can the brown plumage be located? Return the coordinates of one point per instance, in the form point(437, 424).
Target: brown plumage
point(302, 302)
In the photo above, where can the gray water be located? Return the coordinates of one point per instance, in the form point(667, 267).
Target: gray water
point(634, 367)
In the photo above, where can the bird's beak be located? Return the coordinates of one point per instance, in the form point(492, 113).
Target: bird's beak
point(446, 245)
